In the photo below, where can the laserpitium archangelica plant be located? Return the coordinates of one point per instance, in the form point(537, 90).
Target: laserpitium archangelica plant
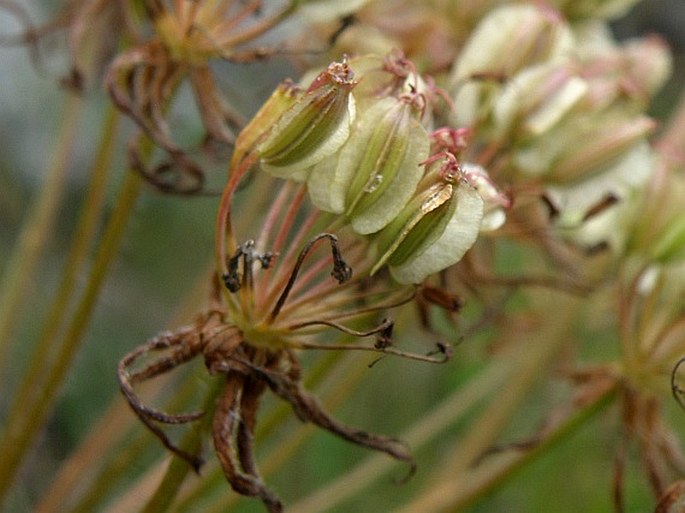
point(476, 184)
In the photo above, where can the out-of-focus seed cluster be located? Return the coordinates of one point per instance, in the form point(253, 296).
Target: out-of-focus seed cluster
point(543, 99)
point(569, 106)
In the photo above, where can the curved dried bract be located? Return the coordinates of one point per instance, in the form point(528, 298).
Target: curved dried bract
point(141, 82)
point(30, 36)
point(249, 366)
point(232, 432)
point(182, 352)
point(178, 175)
point(288, 386)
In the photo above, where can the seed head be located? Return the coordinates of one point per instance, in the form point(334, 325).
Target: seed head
point(377, 170)
point(435, 229)
point(316, 125)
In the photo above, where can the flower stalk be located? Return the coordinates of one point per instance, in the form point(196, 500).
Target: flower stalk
point(36, 232)
point(33, 404)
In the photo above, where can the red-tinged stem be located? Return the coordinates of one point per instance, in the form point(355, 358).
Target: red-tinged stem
point(288, 220)
point(225, 243)
point(286, 262)
point(332, 309)
point(273, 217)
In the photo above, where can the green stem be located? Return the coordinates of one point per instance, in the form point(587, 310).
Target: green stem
point(84, 484)
point(84, 236)
point(492, 474)
point(21, 268)
point(527, 368)
point(513, 372)
point(119, 448)
point(26, 419)
point(85, 230)
point(429, 427)
point(119, 463)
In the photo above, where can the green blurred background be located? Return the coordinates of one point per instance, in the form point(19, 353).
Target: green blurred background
point(167, 251)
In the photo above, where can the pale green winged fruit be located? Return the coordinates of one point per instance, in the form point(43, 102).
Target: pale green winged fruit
point(508, 40)
point(595, 210)
point(536, 99)
point(285, 96)
point(377, 170)
point(315, 126)
point(626, 72)
point(435, 229)
point(658, 236)
point(495, 202)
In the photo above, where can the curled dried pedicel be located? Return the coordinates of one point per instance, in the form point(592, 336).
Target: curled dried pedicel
point(377, 170)
point(434, 230)
point(313, 127)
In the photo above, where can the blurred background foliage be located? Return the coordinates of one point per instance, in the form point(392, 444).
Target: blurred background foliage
point(157, 281)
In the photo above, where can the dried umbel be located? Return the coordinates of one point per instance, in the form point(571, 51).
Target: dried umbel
point(186, 37)
point(274, 295)
point(248, 367)
point(270, 306)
